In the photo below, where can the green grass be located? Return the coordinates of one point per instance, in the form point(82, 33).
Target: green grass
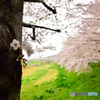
point(60, 87)
point(34, 76)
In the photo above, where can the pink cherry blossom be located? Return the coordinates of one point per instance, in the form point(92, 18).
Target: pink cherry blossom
point(15, 44)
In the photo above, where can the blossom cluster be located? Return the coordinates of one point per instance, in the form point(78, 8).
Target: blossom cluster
point(26, 46)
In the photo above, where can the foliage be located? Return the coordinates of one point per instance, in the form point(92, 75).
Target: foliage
point(50, 90)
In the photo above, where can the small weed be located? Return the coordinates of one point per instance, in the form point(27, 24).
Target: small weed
point(36, 85)
point(41, 97)
point(35, 97)
point(27, 79)
point(50, 90)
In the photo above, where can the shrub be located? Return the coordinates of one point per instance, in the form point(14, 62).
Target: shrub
point(50, 90)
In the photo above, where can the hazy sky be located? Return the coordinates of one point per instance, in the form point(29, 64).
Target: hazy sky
point(56, 39)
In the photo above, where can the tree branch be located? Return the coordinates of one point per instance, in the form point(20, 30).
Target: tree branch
point(36, 26)
point(42, 1)
point(49, 8)
point(34, 1)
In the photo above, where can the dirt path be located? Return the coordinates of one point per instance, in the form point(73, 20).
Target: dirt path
point(27, 71)
point(49, 76)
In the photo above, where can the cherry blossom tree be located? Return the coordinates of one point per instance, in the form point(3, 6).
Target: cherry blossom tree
point(84, 47)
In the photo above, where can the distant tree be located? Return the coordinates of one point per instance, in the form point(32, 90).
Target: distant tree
point(81, 49)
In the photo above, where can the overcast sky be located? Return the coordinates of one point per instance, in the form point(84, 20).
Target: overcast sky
point(56, 39)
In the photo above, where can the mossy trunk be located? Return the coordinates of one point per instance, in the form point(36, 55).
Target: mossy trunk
point(11, 12)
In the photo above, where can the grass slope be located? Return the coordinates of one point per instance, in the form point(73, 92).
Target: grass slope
point(53, 83)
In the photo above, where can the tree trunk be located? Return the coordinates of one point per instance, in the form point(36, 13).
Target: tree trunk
point(11, 12)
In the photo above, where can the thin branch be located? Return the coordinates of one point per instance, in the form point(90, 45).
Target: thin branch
point(34, 1)
point(42, 1)
point(49, 8)
point(36, 26)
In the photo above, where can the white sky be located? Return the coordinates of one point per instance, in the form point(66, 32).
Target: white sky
point(55, 40)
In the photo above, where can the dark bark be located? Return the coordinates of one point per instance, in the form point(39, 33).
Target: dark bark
point(10, 28)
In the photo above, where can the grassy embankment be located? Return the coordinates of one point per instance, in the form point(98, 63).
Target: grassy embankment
point(50, 82)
